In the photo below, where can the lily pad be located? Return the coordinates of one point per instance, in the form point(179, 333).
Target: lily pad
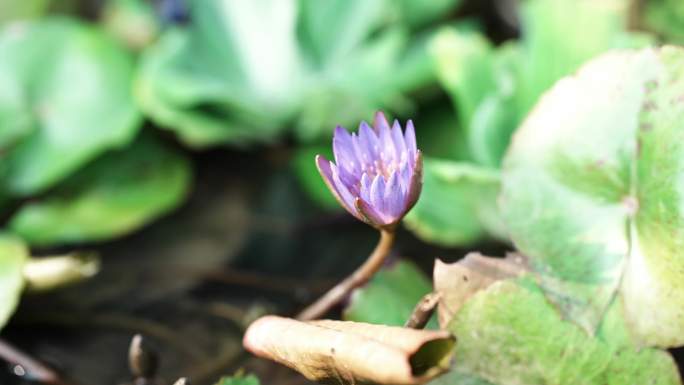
point(112, 196)
point(509, 334)
point(13, 255)
point(591, 196)
point(63, 115)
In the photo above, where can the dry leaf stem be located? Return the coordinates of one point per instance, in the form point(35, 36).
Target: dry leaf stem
point(359, 277)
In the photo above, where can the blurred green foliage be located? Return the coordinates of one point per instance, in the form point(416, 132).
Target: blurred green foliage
point(22, 10)
point(242, 72)
point(114, 195)
point(60, 116)
point(493, 89)
point(13, 255)
point(665, 17)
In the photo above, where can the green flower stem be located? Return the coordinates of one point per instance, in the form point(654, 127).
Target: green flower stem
point(359, 277)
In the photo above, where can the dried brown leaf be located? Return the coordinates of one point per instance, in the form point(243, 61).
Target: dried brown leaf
point(343, 352)
point(458, 281)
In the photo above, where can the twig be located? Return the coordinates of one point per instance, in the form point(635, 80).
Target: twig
point(33, 368)
point(356, 279)
point(423, 311)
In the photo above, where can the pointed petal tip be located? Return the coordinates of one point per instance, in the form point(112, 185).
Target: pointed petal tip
point(320, 159)
point(410, 135)
point(323, 166)
point(340, 132)
point(380, 121)
point(364, 126)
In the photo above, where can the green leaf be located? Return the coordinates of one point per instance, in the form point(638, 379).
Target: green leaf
point(65, 99)
point(590, 192)
point(561, 35)
point(493, 90)
point(220, 80)
point(509, 334)
point(389, 298)
point(465, 65)
point(665, 17)
point(239, 380)
point(420, 12)
point(457, 205)
point(13, 255)
point(112, 196)
point(21, 10)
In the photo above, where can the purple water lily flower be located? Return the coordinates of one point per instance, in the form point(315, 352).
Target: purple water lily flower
point(377, 174)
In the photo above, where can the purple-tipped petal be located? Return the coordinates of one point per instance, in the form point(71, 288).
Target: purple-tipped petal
point(398, 139)
point(380, 122)
point(370, 145)
point(405, 172)
point(349, 179)
point(345, 195)
point(324, 169)
point(361, 155)
point(410, 139)
point(388, 151)
point(416, 182)
point(365, 187)
point(343, 148)
point(394, 197)
point(368, 213)
point(377, 194)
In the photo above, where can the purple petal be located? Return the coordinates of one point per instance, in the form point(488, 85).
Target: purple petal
point(343, 149)
point(394, 197)
point(398, 139)
point(410, 139)
point(388, 151)
point(416, 182)
point(405, 172)
point(369, 213)
point(365, 187)
point(377, 194)
point(361, 155)
point(346, 196)
point(369, 142)
point(323, 166)
point(380, 122)
point(349, 179)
